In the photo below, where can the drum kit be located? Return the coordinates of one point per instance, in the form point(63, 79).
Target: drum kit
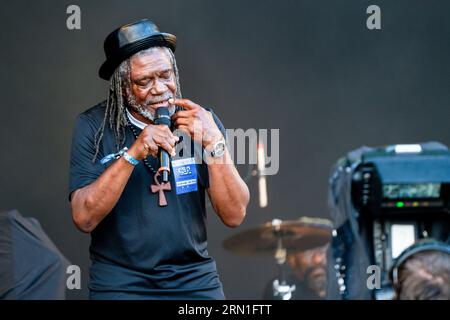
point(277, 238)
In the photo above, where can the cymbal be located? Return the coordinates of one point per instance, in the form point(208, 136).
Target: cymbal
point(295, 235)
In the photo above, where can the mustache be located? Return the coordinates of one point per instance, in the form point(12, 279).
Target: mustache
point(164, 97)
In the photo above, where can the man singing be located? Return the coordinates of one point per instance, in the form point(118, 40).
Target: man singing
point(148, 237)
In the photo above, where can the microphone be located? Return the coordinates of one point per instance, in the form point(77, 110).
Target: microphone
point(162, 116)
point(262, 185)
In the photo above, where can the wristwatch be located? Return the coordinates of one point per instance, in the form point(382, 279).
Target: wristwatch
point(218, 148)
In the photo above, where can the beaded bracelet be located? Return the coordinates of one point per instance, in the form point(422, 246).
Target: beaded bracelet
point(122, 153)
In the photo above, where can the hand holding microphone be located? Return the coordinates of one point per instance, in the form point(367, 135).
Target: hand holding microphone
point(153, 138)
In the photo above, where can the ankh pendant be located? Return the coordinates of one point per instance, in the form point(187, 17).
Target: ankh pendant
point(160, 188)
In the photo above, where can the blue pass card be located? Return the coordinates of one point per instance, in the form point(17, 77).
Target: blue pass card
point(185, 174)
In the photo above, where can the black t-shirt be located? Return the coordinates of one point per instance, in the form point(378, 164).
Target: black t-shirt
point(139, 247)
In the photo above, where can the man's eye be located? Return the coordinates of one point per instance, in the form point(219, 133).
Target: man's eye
point(143, 83)
point(165, 75)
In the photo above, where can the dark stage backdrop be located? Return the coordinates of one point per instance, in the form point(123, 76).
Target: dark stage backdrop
point(310, 68)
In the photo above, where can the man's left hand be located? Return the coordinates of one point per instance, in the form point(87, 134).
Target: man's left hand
point(196, 121)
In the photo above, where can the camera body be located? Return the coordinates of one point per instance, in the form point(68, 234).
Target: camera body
point(401, 197)
point(396, 196)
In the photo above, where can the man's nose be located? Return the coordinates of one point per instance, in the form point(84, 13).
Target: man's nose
point(158, 88)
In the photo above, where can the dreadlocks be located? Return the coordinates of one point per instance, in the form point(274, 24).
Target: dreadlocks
point(119, 88)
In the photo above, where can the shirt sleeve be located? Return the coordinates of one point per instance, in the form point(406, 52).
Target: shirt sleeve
point(204, 174)
point(218, 123)
point(83, 171)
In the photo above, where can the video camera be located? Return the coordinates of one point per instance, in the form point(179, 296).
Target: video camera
point(383, 200)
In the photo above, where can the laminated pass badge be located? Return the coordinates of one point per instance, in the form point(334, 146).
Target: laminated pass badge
point(185, 174)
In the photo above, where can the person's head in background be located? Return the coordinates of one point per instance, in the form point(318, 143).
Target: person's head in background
point(424, 275)
point(309, 267)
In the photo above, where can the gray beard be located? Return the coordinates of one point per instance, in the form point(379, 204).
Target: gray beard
point(139, 108)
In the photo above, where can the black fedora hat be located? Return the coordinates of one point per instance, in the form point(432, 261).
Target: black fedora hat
point(129, 39)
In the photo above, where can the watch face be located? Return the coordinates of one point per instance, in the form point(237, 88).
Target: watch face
point(219, 149)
